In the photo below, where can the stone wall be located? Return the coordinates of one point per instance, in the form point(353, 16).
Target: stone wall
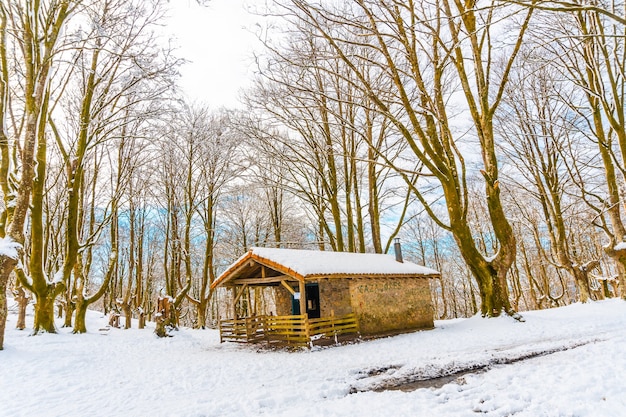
point(334, 297)
point(382, 305)
point(283, 301)
point(391, 305)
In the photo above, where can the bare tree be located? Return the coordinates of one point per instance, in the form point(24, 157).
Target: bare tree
point(199, 157)
point(421, 48)
point(219, 163)
point(605, 10)
point(588, 49)
point(539, 127)
point(321, 131)
point(36, 29)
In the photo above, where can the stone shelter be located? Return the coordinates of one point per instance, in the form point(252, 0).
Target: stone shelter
point(319, 293)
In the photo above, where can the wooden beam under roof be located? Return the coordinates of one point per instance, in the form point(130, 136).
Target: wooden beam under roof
point(261, 280)
point(289, 287)
point(241, 268)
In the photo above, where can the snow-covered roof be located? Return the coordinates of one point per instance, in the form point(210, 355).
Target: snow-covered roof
point(304, 264)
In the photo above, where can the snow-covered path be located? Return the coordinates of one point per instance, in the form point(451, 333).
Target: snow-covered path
point(133, 373)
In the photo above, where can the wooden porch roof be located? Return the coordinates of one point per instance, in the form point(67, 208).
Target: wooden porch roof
point(270, 266)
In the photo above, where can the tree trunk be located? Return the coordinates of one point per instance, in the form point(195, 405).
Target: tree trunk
point(69, 311)
point(490, 275)
point(44, 312)
point(373, 204)
point(142, 319)
point(494, 300)
point(619, 256)
point(81, 313)
point(3, 311)
point(444, 300)
point(128, 314)
point(19, 295)
point(162, 316)
point(202, 310)
point(81, 309)
point(582, 285)
point(82, 302)
point(6, 266)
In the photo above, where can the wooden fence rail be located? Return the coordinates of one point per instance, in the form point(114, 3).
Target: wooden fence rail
point(287, 330)
point(249, 329)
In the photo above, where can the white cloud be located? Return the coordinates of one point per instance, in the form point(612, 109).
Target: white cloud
point(218, 44)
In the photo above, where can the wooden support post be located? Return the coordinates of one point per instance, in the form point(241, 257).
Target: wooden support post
point(249, 304)
point(302, 298)
point(332, 323)
point(303, 310)
point(237, 297)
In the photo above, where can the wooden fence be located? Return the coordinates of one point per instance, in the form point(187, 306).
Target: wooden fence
point(288, 330)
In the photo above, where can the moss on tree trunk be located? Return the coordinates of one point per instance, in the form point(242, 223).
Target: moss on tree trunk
point(494, 301)
point(68, 310)
point(79, 320)
point(44, 313)
point(128, 314)
point(19, 295)
point(202, 310)
point(3, 311)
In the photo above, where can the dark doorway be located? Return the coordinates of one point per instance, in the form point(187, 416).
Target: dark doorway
point(312, 292)
point(295, 304)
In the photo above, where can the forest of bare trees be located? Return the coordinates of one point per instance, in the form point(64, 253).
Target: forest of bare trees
point(489, 136)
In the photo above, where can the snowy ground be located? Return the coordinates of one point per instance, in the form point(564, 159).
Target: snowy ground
point(133, 373)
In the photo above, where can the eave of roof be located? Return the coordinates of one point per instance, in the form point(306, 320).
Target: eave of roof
point(247, 257)
point(253, 255)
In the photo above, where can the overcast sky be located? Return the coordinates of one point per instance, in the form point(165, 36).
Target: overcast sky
point(217, 39)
